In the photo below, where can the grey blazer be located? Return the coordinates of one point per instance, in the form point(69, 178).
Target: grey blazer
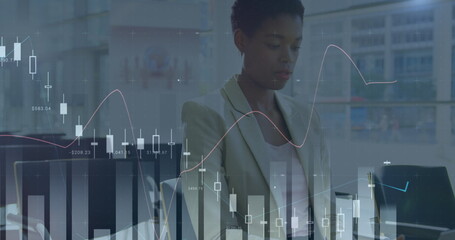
point(228, 155)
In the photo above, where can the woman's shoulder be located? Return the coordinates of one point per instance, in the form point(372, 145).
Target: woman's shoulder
point(207, 102)
point(214, 102)
point(206, 108)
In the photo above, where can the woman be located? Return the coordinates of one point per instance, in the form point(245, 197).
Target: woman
point(244, 172)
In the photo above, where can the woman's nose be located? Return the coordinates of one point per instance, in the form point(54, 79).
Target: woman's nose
point(286, 55)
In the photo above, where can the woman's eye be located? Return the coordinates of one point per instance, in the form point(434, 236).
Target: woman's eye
point(296, 48)
point(273, 46)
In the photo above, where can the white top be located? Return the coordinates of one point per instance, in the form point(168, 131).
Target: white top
point(298, 190)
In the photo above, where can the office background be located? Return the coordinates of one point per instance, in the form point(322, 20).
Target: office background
point(161, 53)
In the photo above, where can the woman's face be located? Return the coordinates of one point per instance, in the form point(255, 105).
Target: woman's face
point(271, 53)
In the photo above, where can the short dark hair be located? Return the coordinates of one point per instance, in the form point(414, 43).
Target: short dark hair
point(248, 15)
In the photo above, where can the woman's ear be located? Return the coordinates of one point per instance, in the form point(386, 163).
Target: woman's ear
point(240, 40)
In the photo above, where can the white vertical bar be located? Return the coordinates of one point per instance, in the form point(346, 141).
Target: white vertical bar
point(366, 226)
point(256, 210)
point(140, 144)
point(102, 234)
point(278, 182)
point(124, 197)
point(211, 216)
point(191, 180)
point(12, 155)
point(234, 234)
point(2, 51)
point(294, 222)
point(233, 202)
point(356, 208)
point(109, 143)
point(79, 200)
point(63, 108)
point(57, 200)
point(344, 217)
point(36, 212)
point(79, 130)
point(17, 51)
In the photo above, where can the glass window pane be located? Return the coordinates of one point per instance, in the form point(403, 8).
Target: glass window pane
point(393, 124)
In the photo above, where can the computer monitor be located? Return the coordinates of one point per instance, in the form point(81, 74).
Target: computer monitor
point(421, 198)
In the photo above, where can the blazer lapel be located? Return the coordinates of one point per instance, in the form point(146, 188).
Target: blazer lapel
point(249, 127)
point(297, 123)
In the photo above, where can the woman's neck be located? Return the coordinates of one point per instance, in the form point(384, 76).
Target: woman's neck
point(259, 98)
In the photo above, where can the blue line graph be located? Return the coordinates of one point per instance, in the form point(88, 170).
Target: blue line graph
point(226, 201)
point(399, 189)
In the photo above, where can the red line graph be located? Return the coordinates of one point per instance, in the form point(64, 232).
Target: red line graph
point(85, 126)
point(281, 133)
point(225, 134)
point(83, 129)
point(311, 113)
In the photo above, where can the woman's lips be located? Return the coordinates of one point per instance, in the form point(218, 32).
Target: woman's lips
point(283, 75)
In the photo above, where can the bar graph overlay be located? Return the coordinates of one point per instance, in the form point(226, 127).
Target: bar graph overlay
point(256, 217)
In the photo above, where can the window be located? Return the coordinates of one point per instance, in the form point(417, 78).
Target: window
point(413, 18)
point(368, 23)
point(412, 36)
point(372, 68)
point(393, 124)
point(414, 63)
point(413, 69)
point(368, 41)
